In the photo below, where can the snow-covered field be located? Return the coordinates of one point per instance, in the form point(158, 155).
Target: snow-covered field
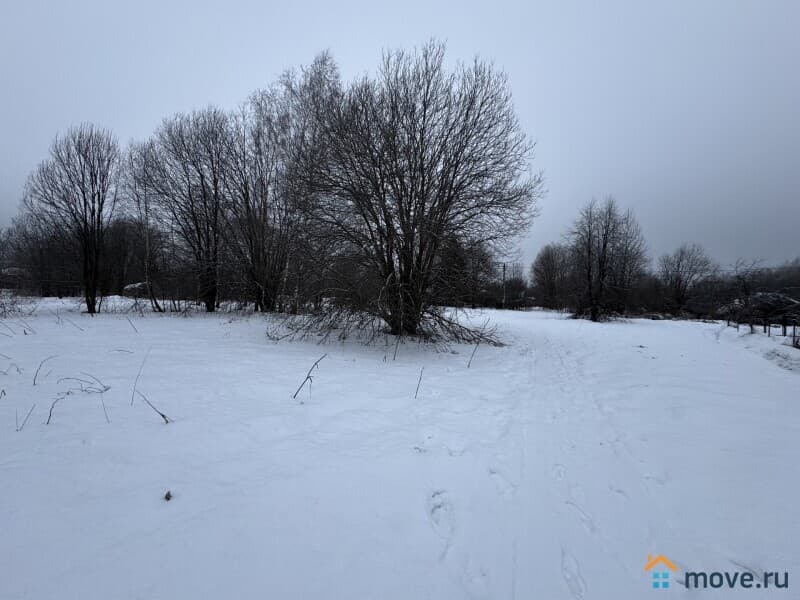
point(549, 469)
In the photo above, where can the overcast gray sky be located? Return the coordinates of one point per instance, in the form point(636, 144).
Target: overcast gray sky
point(686, 111)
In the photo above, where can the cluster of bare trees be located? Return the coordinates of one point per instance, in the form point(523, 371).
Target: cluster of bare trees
point(602, 269)
point(595, 269)
point(386, 197)
point(681, 272)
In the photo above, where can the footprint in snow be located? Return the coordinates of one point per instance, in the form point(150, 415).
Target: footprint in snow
point(505, 486)
point(618, 491)
point(475, 579)
point(571, 572)
point(440, 513)
point(586, 518)
point(559, 471)
point(442, 518)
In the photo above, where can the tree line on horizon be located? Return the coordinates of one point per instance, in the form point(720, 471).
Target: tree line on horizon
point(383, 200)
point(601, 269)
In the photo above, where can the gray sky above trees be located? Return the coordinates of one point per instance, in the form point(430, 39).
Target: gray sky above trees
point(685, 111)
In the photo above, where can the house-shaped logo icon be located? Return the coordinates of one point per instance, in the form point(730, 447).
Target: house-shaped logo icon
point(659, 566)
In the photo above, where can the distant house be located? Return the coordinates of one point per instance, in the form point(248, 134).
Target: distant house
point(135, 290)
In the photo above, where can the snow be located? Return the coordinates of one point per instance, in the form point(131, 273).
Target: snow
point(549, 469)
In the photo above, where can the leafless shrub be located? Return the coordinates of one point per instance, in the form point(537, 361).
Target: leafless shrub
point(9, 306)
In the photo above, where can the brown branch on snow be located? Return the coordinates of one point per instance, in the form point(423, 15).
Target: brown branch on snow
point(308, 375)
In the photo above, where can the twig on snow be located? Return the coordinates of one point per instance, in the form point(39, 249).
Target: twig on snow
point(88, 387)
point(73, 324)
point(136, 381)
point(105, 412)
point(26, 326)
point(53, 405)
point(418, 382)
point(308, 375)
point(167, 420)
point(474, 350)
point(21, 427)
point(103, 386)
point(132, 325)
point(40, 367)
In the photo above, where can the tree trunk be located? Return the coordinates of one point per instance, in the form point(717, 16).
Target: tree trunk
point(208, 288)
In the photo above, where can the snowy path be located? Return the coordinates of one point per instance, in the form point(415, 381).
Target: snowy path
point(549, 469)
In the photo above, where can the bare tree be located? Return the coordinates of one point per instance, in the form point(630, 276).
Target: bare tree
point(75, 189)
point(187, 175)
point(550, 274)
point(139, 159)
point(265, 213)
point(259, 220)
point(608, 254)
point(681, 271)
point(629, 260)
point(413, 158)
